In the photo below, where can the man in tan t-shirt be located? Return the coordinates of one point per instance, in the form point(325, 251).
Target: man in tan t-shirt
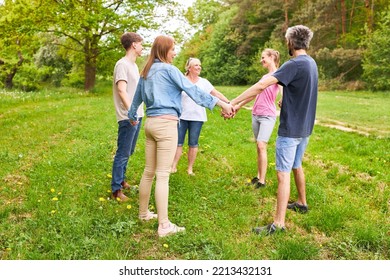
point(126, 76)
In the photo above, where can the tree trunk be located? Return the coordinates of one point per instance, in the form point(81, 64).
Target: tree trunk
point(343, 17)
point(90, 75)
point(343, 21)
point(351, 14)
point(285, 25)
point(91, 53)
point(10, 76)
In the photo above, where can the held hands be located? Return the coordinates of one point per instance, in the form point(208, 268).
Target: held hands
point(228, 110)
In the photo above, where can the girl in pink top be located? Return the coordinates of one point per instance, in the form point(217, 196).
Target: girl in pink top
point(264, 115)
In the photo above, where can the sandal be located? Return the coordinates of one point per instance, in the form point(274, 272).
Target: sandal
point(171, 229)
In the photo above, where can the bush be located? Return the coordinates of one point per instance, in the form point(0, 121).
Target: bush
point(27, 78)
point(52, 66)
point(74, 79)
point(343, 64)
point(376, 61)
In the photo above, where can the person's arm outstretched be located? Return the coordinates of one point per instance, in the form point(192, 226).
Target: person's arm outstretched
point(254, 90)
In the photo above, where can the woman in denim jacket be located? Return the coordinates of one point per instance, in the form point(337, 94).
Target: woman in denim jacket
point(160, 88)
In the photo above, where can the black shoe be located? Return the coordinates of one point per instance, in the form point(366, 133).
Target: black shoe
point(268, 229)
point(295, 206)
point(254, 181)
point(259, 185)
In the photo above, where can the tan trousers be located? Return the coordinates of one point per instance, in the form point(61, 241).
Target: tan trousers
point(160, 149)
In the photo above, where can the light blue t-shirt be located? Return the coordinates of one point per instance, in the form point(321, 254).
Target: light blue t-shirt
point(161, 92)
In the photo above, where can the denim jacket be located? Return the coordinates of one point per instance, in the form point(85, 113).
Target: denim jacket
point(161, 92)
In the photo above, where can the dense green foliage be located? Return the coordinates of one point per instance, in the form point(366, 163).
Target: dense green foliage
point(79, 36)
point(73, 43)
point(228, 44)
point(376, 61)
point(56, 152)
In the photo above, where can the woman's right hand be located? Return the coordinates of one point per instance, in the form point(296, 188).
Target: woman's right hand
point(227, 109)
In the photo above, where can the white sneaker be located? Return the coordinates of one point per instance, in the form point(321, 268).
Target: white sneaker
point(171, 229)
point(148, 216)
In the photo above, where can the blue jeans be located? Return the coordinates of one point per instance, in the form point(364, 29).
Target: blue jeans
point(194, 128)
point(127, 139)
point(289, 152)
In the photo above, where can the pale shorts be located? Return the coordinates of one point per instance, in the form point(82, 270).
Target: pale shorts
point(289, 152)
point(262, 127)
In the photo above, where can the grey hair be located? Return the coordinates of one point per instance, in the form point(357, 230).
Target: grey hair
point(299, 37)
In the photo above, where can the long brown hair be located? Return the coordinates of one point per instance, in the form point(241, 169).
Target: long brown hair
point(160, 48)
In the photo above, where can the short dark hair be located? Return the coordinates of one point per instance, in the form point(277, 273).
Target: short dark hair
point(129, 38)
point(299, 37)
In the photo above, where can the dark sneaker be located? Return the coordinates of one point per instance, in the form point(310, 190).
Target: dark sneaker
point(268, 230)
point(259, 185)
point(254, 181)
point(295, 206)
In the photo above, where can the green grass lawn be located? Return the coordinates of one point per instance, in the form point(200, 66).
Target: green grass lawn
point(56, 152)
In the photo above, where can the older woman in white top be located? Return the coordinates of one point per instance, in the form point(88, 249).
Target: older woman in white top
point(193, 116)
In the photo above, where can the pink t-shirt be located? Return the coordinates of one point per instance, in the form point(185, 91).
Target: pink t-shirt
point(265, 102)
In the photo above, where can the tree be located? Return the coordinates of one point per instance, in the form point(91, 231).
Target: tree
point(17, 44)
point(376, 61)
point(92, 27)
point(230, 42)
point(87, 29)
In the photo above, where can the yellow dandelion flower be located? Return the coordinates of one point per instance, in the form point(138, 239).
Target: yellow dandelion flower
point(109, 191)
point(165, 245)
point(52, 190)
point(118, 199)
point(248, 181)
point(128, 206)
point(53, 211)
point(54, 198)
point(109, 176)
point(101, 199)
point(151, 207)
point(59, 193)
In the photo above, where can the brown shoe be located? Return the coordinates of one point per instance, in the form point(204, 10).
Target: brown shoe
point(120, 196)
point(125, 185)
